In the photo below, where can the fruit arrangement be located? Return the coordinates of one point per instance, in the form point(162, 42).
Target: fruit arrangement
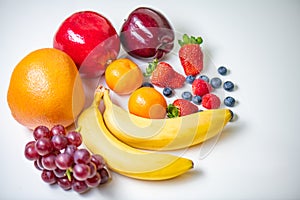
point(126, 141)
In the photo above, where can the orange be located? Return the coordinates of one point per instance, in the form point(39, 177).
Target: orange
point(123, 76)
point(45, 89)
point(147, 102)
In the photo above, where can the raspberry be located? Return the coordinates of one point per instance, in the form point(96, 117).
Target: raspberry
point(211, 101)
point(201, 87)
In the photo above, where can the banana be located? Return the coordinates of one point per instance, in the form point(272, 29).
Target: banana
point(122, 158)
point(163, 134)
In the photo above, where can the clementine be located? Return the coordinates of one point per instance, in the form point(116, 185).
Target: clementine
point(45, 89)
point(123, 76)
point(147, 102)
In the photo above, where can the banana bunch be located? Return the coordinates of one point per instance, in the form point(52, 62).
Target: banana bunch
point(122, 158)
point(116, 134)
point(163, 134)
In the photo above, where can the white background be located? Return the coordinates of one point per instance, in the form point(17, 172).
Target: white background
point(256, 157)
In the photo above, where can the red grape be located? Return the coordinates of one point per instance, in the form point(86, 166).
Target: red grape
point(48, 176)
point(82, 156)
point(43, 146)
point(39, 163)
point(59, 142)
point(59, 173)
point(48, 161)
point(64, 161)
point(93, 181)
point(98, 161)
point(70, 149)
point(104, 175)
point(79, 186)
point(30, 151)
point(41, 131)
point(93, 169)
point(74, 138)
point(58, 130)
point(64, 183)
point(36, 164)
point(81, 171)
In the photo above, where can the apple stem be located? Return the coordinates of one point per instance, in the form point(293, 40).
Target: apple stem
point(108, 62)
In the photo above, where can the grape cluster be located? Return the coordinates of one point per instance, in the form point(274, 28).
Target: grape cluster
point(57, 154)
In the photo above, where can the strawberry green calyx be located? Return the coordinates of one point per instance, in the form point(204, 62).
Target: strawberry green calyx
point(190, 40)
point(151, 67)
point(172, 111)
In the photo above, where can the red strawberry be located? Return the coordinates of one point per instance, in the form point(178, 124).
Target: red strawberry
point(163, 75)
point(181, 107)
point(190, 54)
point(211, 101)
point(201, 87)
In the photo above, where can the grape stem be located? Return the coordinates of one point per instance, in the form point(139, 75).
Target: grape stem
point(68, 174)
point(78, 129)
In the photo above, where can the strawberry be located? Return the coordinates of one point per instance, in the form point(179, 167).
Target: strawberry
point(190, 55)
point(163, 75)
point(211, 101)
point(181, 107)
point(200, 87)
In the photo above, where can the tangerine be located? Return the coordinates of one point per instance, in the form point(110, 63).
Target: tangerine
point(147, 102)
point(45, 89)
point(123, 76)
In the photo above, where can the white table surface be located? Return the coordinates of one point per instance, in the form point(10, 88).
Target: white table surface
point(256, 157)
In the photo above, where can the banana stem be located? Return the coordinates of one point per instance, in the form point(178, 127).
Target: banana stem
point(98, 95)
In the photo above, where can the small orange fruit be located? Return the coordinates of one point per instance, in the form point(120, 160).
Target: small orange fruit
point(147, 102)
point(123, 76)
point(45, 89)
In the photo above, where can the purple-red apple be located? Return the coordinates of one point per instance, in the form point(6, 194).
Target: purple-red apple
point(90, 40)
point(147, 34)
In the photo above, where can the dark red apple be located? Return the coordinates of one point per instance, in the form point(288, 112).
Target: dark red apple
point(90, 40)
point(147, 34)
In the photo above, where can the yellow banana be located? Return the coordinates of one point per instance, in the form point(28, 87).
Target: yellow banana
point(122, 158)
point(163, 134)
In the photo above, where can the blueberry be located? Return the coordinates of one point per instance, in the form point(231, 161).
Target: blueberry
point(147, 84)
point(167, 92)
point(197, 100)
point(228, 86)
point(205, 78)
point(229, 101)
point(187, 96)
point(216, 82)
point(222, 70)
point(232, 115)
point(190, 79)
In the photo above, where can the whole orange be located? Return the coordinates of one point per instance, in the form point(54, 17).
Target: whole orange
point(123, 76)
point(147, 102)
point(45, 89)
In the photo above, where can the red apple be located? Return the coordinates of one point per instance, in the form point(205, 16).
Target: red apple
point(147, 34)
point(90, 40)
